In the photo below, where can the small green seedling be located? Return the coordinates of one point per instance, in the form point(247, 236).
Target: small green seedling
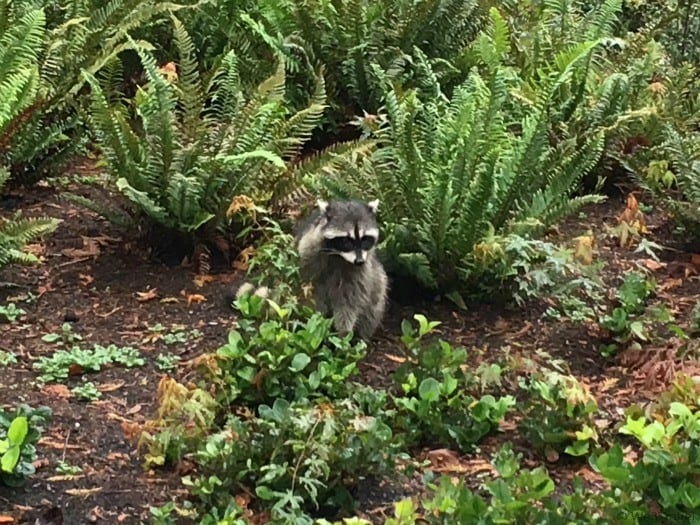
point(11, 313)
point(7, 358)
point(58, 367)
point(68, 470)
point(65, 337)
point(167, 362)
point(87, 391)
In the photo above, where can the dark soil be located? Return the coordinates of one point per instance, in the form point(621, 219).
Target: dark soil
point(111, 291)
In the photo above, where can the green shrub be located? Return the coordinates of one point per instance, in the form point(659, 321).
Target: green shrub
point(668, 470)
point(435, 406)
point(298, 456)
point(20, 431)
point(558, 415)
point(286, 353)
point(22, 45)
point(516, 496)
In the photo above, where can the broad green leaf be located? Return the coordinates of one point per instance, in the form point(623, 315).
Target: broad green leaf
point(299, 362)
point(10, 459)
point(429, 389)
point(18, 430)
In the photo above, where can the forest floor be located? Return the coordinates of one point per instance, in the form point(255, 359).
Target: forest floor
point(112, 291)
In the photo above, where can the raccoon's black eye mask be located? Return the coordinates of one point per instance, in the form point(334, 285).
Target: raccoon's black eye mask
point(348, 244)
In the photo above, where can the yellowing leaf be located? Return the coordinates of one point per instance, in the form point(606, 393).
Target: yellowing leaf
point(146, 296)
point(169, 71)
point(201, 280)
point(583, 251)
point(195, 298)
point(241, 202)
point(243, 259)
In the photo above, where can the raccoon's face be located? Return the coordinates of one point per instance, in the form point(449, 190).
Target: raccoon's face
point(350, 229)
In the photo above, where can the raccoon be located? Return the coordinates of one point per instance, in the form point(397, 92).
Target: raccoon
point(336, 246)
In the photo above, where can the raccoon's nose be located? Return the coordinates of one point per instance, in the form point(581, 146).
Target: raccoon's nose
point(359, 261)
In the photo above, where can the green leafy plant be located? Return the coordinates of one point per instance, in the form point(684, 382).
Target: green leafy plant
point(174, 335)
point(668, 470)
point(296, 456)
point(68, 470)
point(286, 352)
point(361, 43)
point(87, 391)
point(626, 322)
point(65, 337)
point(10, 446)
point(77, 36)
point(167, 362)
point(454, 176)
point(11, 313)
point(435, 406)
point(63, 363)
point(516, 496)
point(7, 358)
point(15, 231)
point(558, 415)
point(20, 430)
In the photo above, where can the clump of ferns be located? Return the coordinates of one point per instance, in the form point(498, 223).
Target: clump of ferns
point(184, 148)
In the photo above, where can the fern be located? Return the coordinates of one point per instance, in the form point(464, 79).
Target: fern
point(501, 155)
point(16, 232)
point(79, 35)
point(360, 42)
point(183, 149)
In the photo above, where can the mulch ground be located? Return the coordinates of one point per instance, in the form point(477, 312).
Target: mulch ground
point(112, 291)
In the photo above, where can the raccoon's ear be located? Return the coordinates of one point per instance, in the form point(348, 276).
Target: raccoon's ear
point(322, 205)
point(373, 205)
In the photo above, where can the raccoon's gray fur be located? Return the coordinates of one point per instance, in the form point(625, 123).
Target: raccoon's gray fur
point(336, 246)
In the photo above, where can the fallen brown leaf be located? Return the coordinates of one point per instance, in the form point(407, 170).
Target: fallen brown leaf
point(444, 460)
point(589, 475)
point(111, 387)
point(652, 265)
point(118, 456)
point(91, 248)
point(83, 492)
point(59, 391)
point(148, 295)
point(66, 477)
point(85, 280)
point(195, 298)
point(241, 203)
point(6, 520)
point(75, 370)
point(47, 442)
point(111, 312)
point(133, 410)
point(670, 283)
point(243, 259)
point(201, 280)
point(96, 513)
point(169, 72)
point(607, 384)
